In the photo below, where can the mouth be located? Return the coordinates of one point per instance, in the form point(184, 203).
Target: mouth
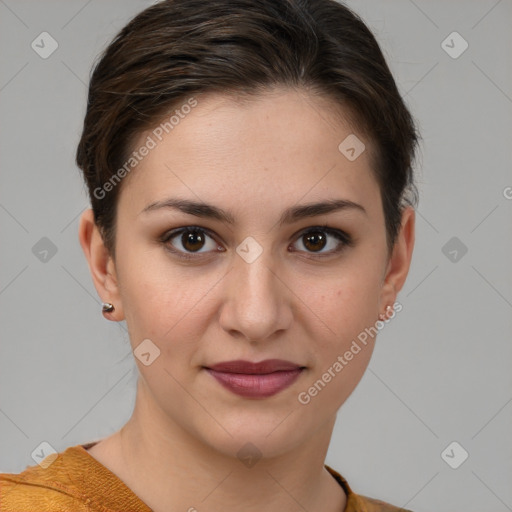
point(256, 380)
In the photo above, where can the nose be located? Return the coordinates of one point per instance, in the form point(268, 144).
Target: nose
point(256, 301)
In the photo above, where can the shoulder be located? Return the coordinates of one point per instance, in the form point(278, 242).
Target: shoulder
point(359, 503)
point(374, 505)
point(40, 489)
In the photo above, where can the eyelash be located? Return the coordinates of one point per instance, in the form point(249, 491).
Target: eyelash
point(344, 238)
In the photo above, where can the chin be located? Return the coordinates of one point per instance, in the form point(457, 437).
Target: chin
point(256, 435)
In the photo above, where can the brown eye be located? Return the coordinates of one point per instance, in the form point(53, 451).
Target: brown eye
point(188, 241)
point(192, 240)
point(316, 239)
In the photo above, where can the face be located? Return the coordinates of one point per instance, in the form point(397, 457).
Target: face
point(264, 279)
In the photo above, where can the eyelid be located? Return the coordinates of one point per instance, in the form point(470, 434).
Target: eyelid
point(336, 232)
point(171, 233)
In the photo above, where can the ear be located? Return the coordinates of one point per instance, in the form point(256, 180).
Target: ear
point(101, 264)
point(399, 261)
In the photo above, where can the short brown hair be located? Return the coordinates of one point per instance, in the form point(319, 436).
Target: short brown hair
point(178, 48)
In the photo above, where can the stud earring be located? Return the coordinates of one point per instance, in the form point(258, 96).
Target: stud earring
point(107, 307)
point(387, 314)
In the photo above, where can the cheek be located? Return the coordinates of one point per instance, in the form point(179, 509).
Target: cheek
point(343, 344)
point(168, 304)
point(345, 303)
point(155, 292)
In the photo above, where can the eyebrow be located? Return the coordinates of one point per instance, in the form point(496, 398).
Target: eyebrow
point(289, 216)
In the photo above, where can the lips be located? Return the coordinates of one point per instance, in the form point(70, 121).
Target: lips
point(255, 380)
point(267, 366)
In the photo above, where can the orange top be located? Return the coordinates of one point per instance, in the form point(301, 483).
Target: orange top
point(77, 482)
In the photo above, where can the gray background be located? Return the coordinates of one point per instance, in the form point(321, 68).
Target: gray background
point(441, 368)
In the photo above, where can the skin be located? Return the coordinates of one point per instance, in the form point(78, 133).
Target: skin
point(253, 159)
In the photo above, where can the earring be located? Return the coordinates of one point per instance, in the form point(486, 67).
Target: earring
point(107, 307)
point(387, 314)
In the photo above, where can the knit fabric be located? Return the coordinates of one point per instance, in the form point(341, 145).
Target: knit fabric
point(76, 482)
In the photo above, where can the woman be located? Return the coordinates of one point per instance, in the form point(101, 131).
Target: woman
point(249, 166)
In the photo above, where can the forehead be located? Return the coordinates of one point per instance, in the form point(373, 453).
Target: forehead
point(281, 145)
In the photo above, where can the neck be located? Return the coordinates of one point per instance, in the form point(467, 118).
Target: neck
point(164, 464)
